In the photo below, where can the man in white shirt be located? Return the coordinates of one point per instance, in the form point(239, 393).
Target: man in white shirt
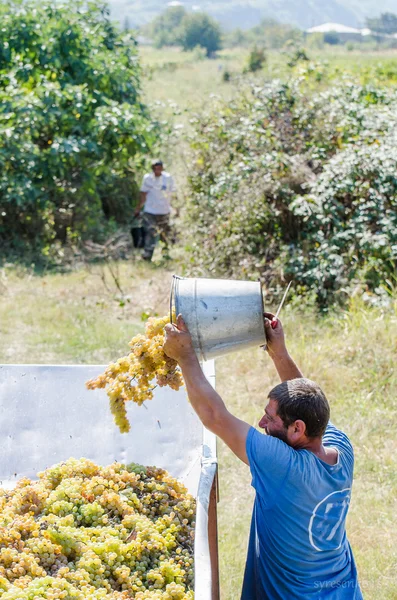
point(157, 191)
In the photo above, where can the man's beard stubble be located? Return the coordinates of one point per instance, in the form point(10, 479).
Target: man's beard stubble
point(281, 435)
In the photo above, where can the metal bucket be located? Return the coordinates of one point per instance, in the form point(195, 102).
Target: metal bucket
point(222, 315)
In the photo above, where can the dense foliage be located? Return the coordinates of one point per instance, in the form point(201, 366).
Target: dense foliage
point(268, 32)
point(72, 129)
point(386, 23)
point(164, 30)
point(199, 29)
point(256, 59)
point(177, 27)
point(297, 182)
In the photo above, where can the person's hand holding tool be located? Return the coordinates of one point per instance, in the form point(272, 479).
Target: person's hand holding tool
point(274, 335)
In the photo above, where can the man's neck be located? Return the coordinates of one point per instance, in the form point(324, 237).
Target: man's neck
point(326, 454)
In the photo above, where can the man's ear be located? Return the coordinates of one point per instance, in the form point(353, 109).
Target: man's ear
point(299, 428)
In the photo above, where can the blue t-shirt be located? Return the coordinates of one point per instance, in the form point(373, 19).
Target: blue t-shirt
point(298, 546)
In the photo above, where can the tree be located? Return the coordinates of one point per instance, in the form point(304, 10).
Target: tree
point(332, 38)
point(386, 23)
point(274, 34)
point(73, 130)
point(199, 29)
point(235, 38)
point(164, 30)
point(256, 59)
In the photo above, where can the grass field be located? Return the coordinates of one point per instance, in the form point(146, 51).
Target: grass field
point(81, 317)
point(180, 78)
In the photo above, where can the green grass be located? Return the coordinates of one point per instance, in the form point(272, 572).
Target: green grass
point(76, 318)
point(178, 77)
point(80, 317)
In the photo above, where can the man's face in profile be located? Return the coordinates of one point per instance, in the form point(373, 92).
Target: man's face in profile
point(273, 424)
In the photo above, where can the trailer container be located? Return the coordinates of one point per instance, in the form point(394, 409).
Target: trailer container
point(47, 416)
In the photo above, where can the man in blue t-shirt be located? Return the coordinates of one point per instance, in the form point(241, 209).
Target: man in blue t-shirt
point(302, 471)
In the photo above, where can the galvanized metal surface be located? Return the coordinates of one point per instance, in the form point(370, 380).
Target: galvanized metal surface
point(222, 315)
point(207, 577)
point(47, 416)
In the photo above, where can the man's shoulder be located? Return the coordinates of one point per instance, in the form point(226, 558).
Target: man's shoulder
point(334, 434)
point(338, 439)
point(264, 447)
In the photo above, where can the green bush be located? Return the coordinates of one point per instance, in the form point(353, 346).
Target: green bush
point(268, 32)
point(199, 29)
point(292, 183)
point(177, 27)
point(256, 59)
point(332, 38)
point(73, 131)
point(164, 29)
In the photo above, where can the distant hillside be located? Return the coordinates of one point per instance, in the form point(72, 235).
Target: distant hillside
point(237, 13)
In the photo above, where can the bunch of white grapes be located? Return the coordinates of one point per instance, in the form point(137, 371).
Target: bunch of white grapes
point(84, 532)
point(135, 376)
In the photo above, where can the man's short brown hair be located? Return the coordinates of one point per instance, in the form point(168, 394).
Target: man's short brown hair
point(302, 399)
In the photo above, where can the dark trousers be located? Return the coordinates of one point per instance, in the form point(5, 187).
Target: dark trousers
point(156, 227)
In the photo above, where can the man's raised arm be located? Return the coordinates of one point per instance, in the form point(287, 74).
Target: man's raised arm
point(277, 350)
point(207, 403)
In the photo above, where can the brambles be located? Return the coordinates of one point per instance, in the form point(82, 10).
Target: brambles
point(298, 182)
point(88, 532)
point(131, 377)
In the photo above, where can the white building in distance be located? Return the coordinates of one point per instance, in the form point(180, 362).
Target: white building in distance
point(334, 28)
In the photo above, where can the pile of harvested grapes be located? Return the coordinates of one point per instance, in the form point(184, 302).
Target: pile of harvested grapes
point(135, 376)
point(84, 532)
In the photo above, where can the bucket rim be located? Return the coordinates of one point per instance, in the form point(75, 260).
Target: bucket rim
point(175, 278)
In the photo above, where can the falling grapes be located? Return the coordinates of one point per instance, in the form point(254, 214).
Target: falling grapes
point(85, 532)
point(134, 377)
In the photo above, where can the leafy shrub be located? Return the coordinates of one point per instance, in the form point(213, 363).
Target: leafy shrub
point(193, 31)
point(73, 131)
point(296, 55)
point(269, 31)
point(297, 184)
point(199, 29)
point(256, 59)
point(332, 38)
point(164, 29)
